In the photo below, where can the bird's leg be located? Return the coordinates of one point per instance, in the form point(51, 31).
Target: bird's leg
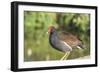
point(65, 56)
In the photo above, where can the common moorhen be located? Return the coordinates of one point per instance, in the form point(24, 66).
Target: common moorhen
point(63, 41)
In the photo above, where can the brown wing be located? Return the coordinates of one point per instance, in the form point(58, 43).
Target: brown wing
point(70, 39)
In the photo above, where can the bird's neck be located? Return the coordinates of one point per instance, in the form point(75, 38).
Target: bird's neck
point(54, 36)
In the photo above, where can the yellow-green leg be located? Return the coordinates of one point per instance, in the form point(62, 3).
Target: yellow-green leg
point(65, 56)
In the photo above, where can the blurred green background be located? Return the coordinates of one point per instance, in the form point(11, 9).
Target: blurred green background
point(36, 41)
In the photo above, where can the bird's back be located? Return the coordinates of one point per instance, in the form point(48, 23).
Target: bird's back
point(70, 39)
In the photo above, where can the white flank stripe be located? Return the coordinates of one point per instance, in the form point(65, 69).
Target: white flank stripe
point(67, 45)
point(79, 47)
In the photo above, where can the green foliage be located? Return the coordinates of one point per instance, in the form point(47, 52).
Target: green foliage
point(35, 38)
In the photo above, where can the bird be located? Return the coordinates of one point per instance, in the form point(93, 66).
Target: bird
point(63, 41)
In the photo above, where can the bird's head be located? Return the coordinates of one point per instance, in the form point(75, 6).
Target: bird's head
point(51, 29)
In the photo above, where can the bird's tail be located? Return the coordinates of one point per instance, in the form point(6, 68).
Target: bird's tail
point(81, 46)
